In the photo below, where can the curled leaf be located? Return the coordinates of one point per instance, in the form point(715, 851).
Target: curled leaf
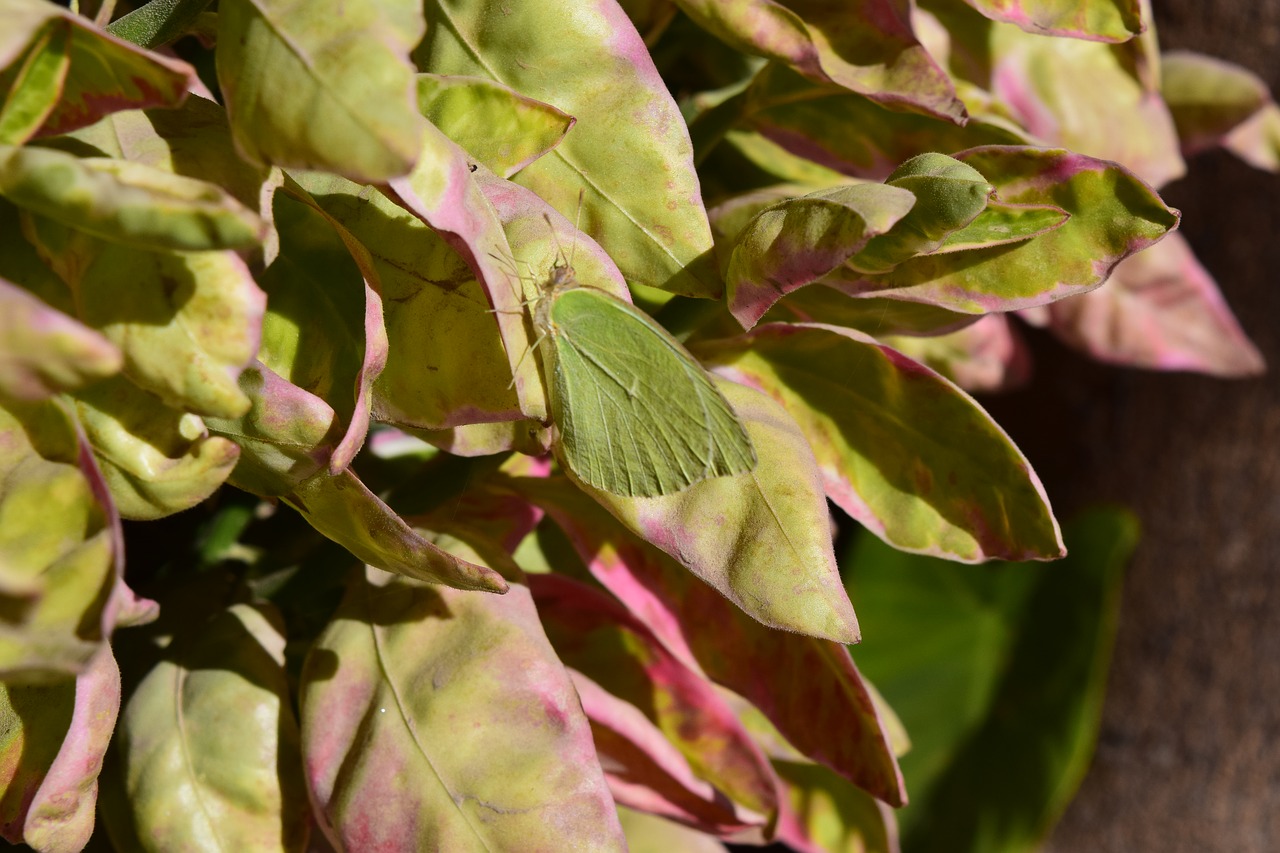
point(126, 202)
point(796, 242)
point(53, 742)
point(155, 460)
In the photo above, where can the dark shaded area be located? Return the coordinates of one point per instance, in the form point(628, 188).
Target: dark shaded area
point(1189, 755)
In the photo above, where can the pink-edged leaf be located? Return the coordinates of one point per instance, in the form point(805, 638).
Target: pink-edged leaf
point(901, 449)
point(648, 833)
point(448, 725)
point(833, 128)
point(285, 437)
point(598, 637)
point(1160, 309)
point(324, 327)
point(442, 193)
point(796, 242)
point(43, 351)
point(762, 539)
point(1096, 99)
point(106, 74)
point(866, 47)
point(1112, 216)
point(51, 750)
point(590, 62)
point(445, 362)
point(34, 84)
point(61, 544)
point(208, 744)
point(988, 356)
point(503, 129)
point(1090, 20)
point(874, 315)
point(646, 772)
point(1215, 102)
point(809, 688)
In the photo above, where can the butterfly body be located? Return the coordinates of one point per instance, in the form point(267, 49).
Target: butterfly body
point(636, 414)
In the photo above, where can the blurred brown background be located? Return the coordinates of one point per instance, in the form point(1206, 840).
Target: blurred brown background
point(1189, 754)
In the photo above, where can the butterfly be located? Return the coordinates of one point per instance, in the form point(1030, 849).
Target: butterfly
point(635, 413)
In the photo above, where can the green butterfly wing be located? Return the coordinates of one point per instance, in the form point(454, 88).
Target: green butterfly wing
point(637, 415)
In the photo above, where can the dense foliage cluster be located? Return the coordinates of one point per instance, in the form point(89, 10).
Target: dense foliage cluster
point(503, 357)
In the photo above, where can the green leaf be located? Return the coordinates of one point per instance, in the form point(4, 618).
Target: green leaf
point(999, 224)
point(1112, 216)
point(106, 74)
point(635, 415)
point(761, 537)
point(155, 460)
point(52, 741)
point(866, 47)
point(1094, 20)
point(60, 546)
point(209, 746)
point(35, 85)
point(434, 719)
point(504, 130)
point(43, 351)
point(900, 449)
point(343, 509)
point(949, 196)
point(998, 672)
point(157, 22)
point(322, 85)
point(594, 66)
point(807, 687)
point(193, 140)
point(187, 325)
point(128, 203)
point(797, 241)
